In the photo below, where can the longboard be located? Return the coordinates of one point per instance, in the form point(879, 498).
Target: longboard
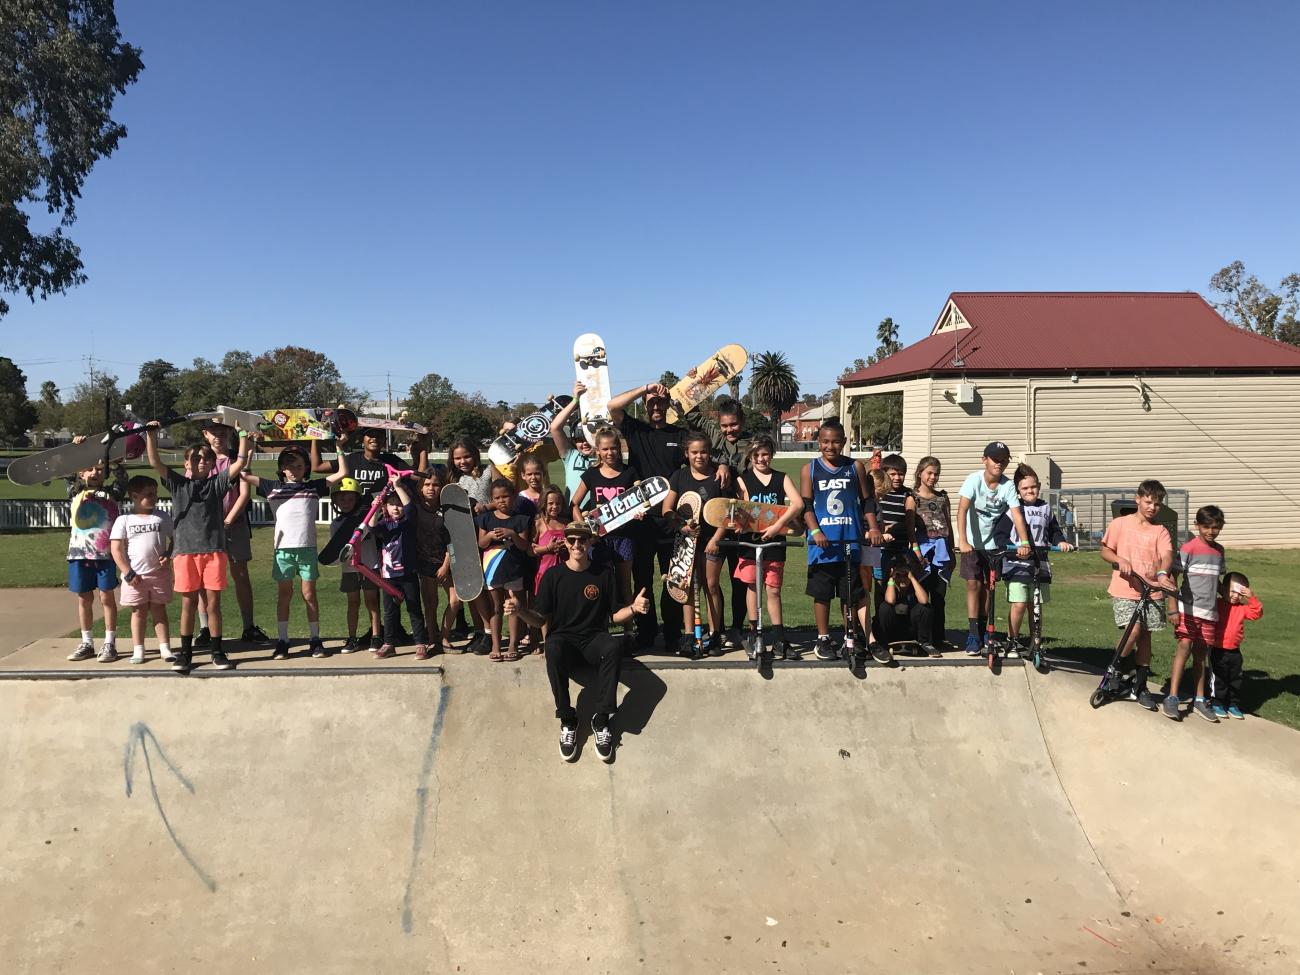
point(532, 429)
point(705, 380)
point(643, 496)
point(458, 517)
point(592, 368)
point(681, 567)
point(746, 516)
point(382, 423)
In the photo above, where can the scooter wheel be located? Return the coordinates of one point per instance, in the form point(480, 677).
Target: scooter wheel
point(1041, 664)
point(1098, 698)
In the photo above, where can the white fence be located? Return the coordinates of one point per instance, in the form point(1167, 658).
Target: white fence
point(19, 514)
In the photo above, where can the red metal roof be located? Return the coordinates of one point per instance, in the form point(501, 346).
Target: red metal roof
point(1083, 331)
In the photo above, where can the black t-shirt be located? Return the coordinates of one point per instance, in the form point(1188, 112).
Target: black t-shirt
point(601, 488)
point(653, 452)
point(772, 492)
point(708, 489)
point(579, 604)
point(371, 475)
point(512, 566)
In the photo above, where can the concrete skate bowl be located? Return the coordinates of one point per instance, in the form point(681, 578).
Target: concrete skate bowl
point(926, 819)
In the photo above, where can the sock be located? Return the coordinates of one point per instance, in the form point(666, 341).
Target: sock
point(139, 649)
point(187, 641)
point(1200, 698)
point(983, 623)
point(110, 638)
point(216, 644)
point(974, 624)
point(313, 627)
point(164, 647)
point(283, 626)
point(1140, 677)
point(87, 636)
point(203, 620)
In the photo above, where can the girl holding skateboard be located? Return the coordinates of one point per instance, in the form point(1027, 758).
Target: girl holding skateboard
point(700, 476)
point(609, 478)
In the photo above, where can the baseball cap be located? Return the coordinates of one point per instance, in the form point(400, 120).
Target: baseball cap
point(577, 528)
point(347, 484)
point(370, 432)
point(998, 451)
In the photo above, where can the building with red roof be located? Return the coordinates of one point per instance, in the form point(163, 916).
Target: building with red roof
point(1104, 389)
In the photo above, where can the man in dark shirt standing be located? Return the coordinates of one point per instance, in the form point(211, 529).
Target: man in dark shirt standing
point(576, 602)
point(731, 449)
point(367, 464)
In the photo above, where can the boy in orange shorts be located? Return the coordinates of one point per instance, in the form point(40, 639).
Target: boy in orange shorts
point(199, 553)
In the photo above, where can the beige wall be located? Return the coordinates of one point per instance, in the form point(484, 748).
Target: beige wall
point(1233, 441)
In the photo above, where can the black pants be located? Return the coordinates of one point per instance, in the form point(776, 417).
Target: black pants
point(652, 546)
point(604, 651)
point(938, 590)
point(1226, 667)
point(915, 624)
point(410, 586)
point(739, 604)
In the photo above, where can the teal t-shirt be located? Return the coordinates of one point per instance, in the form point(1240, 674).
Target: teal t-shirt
point(987, 505)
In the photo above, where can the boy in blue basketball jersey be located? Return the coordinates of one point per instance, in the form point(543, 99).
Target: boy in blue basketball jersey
point(838, 497)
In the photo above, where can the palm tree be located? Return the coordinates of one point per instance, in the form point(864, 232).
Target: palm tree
point(774, 385)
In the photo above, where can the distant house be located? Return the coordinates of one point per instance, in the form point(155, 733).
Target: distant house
point(799, 424)
point(1103, 390)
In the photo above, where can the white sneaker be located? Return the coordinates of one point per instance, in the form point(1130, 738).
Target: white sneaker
point(84, 651)
point(108, 654)
point(138, 656)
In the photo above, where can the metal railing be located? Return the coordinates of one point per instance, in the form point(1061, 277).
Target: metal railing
point(16, 514)
point(1084, 513)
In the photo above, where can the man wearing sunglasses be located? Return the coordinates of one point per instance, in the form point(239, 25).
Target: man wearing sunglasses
point(577, 602)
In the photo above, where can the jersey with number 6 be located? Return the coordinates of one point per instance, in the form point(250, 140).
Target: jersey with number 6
point(837, 505)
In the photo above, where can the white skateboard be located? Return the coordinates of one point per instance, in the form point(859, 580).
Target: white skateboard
point(592, 369)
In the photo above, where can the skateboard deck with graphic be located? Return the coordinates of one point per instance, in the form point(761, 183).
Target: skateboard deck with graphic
point(642, 497)
point(532, 429)
point(681, 567)
point(401, 424)
point(545, 451)
point(592, 368)
point(705, 380)
point(736, 515)
point(458, 517)
point(300, 424)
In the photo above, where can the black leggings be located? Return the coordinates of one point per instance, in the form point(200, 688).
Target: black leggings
point(410, 586)
point(603, 651)
point(938, 590)
point(652, 545)
point(894, 627)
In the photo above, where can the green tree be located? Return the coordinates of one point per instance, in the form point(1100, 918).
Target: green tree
point(886, 343)
point(155, 392)
point(878, 420)
point(93, 402)
point(1252, 305)
point(467, 417)
point(774, 385)
point(49, 408)
point(62, 64)
point(294, 376)
point(17, 414)
point(429, 396)
point(669, 379)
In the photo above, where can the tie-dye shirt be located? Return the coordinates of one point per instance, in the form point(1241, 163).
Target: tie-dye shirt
point(93, 514)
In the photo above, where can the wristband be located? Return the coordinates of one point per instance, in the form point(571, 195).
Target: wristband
point(889, 583)
point(1161, 572)
point(130, 575)
point(243, 434)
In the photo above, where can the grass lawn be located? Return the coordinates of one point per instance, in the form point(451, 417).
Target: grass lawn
point(1078, 618)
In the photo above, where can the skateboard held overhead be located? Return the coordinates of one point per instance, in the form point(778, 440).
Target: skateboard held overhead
point(705, 380)
point(592, 369)
point(531, 429)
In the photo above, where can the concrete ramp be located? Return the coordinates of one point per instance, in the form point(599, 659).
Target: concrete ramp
point(424, 822)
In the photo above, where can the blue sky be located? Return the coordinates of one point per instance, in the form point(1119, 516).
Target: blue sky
point(463, 188)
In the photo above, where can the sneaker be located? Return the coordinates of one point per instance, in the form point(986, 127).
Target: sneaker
point(255, 634)
point(1014, 648)
point(85, 650)
point(714, 645)
point(973, 646)
point(181, 663)
point(1235, 712)
point(790, 652)
point(929, 649)
point(480, 644)
point(1170, 707)
point(881, 653)
point(421, 652)
point(823, 649)
point(204, 639)
point(1202, 707)
point(1146, 700)
point(435, 648)
point(385, 651)
point(108, 654)
point(221, 661)
point(168, 655)
point(138, 656)
point(733, 639)
point(350, 645)
point(604, 740)
point(317, 647)
point(1220, 711)
point(281, 650)
point(568, 743)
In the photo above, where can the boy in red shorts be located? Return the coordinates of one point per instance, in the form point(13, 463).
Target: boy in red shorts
point(199, 559)
point(1201, 562)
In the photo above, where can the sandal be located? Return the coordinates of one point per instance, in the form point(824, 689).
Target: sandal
point(511, 655)
point(495, 655)
point(538, 651)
